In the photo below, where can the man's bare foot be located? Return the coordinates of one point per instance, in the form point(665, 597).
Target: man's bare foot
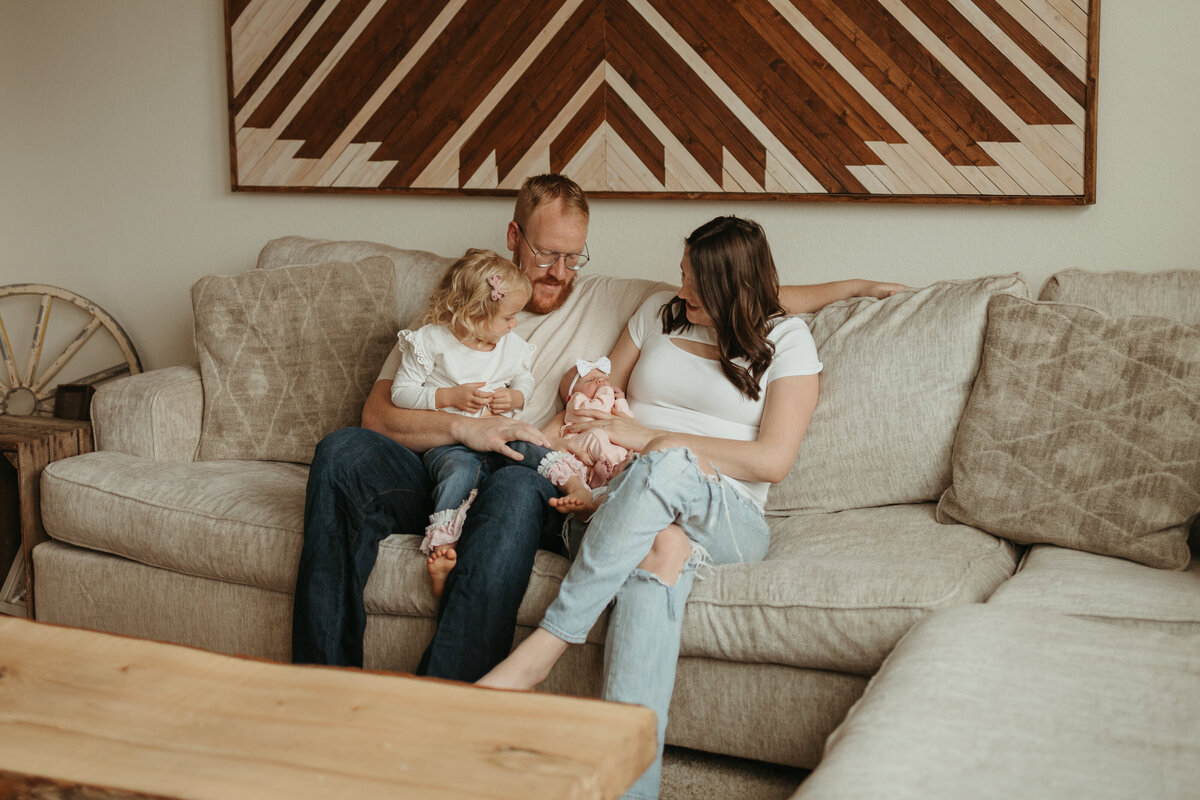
point(581, 502)
point(527, 665)
point(440, 562)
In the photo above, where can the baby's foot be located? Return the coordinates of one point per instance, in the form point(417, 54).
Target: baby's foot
point(440, 562)
point(580, 501)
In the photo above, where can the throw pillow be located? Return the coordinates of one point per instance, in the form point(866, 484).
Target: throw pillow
point(897, 376)
point(288, 355)
point(1081, 432)
point(417, 271)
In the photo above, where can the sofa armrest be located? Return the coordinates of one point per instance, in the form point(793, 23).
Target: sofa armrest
point(155, 415)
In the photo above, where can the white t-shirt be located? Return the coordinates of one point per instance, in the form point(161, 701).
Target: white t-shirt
point(586, 326)
point(431, 358)
point(674, 390)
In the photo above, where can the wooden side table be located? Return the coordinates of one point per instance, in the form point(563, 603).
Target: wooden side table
point(28, 444)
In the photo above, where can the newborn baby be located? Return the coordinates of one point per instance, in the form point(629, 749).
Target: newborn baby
point(587, 387)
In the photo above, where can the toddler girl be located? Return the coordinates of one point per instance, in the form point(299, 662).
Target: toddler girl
point(467, 360)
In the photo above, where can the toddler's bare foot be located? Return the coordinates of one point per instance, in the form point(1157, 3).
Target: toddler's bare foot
point(581, 502)
point(440, 562)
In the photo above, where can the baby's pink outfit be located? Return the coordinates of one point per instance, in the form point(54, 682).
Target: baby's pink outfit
point(607, 458)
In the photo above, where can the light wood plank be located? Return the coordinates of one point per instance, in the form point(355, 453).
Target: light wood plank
point(1073, 57)
point(867, 178)
point(285, 62)
point(99, 710)
point(254, 41)
point(979, 180)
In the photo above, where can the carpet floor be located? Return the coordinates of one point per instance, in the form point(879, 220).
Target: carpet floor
point(693, 775)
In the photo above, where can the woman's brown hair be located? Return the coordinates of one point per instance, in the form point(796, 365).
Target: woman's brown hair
point(739, 288)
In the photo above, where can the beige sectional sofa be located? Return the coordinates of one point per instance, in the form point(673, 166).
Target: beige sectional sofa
point(147, 540)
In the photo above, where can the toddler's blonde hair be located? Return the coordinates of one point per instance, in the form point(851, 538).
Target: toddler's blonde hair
point(463, 300)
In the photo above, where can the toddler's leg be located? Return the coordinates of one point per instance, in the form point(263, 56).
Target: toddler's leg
point(456, 472)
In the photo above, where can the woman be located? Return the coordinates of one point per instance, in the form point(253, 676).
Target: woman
point(722, 387)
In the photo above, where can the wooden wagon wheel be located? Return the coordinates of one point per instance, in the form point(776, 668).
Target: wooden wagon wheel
point(30, 392)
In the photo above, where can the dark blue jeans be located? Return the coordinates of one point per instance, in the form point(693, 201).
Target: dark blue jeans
point(363, 487)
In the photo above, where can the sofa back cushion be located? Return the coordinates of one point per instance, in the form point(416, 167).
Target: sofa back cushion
point(897, 376)
point(288, 355)
point(417, 271)
point(1174, 294)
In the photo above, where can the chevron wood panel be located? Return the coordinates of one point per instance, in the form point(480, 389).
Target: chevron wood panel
point(901, 100)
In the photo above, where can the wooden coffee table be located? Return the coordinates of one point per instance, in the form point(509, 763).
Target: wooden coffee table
point(108, 716)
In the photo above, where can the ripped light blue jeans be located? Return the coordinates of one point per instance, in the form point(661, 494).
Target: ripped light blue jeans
point(657, 489)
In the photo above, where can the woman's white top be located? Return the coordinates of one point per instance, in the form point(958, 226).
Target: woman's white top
point(674, 390)
point(431, 359)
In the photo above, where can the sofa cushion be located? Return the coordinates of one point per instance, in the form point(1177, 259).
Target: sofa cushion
point(1101, 587)
point(417, 271)
point(288, 355)
point(836, 591)
point(989, 702)
point(234, 521)
point(897, 376)
point(1081, 431)
point(1174, 294)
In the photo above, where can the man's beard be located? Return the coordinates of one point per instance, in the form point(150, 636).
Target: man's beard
point(538, 306)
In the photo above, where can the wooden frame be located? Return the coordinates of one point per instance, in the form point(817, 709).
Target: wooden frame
point(977, 101)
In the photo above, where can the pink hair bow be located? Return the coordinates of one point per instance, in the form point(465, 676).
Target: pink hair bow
point(495, 281)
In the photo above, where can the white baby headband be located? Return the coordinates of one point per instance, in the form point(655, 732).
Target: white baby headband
point(583, 367)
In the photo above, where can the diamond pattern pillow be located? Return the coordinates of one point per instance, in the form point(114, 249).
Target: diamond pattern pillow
point(288, 355)
point(1081, 431)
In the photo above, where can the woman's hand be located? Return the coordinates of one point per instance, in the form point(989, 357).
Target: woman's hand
point(624, 431)
point(881, 289)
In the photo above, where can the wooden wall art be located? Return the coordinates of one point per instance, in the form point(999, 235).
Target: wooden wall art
point(899, 100)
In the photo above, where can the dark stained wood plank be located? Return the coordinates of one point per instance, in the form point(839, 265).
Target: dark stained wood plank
point(1049, 63)
point(853, 111)
point(954, 133)
point(775, 93)
point(538, 95)
point(573, 137)
point(985, 60)
point(277, 52)
point(359, 73)
point(306, 63)
point(641, 140)
point(236, 7)
point(693, 113)
point(462, 67)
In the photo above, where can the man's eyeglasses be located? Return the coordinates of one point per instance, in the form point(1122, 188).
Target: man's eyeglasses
point(548, 258)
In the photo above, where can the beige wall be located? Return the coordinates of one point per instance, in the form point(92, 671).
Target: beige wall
point(114, 174)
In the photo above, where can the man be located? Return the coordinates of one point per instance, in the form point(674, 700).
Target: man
point(367, 483)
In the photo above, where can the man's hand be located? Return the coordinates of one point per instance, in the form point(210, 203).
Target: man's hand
point(505, 400)
point(493, 434)
point(467, 397)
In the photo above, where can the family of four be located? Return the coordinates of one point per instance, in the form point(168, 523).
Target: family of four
point(665, 446)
